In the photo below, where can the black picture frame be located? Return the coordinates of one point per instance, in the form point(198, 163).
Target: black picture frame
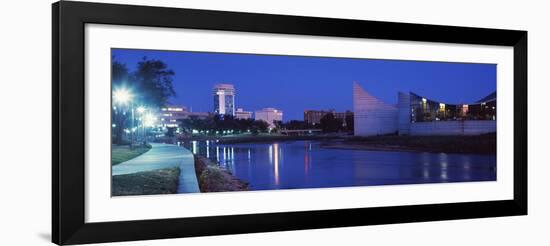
point(68, 122)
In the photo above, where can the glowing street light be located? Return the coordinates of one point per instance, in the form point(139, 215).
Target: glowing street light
point(149, 120)
point(141, 109)
point(122, 96)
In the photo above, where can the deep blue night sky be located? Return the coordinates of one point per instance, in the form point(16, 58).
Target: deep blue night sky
point(293, 84)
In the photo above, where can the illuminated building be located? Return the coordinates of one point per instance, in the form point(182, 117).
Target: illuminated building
point(417, 115)
point(243, 115)
point(224, 99)
point(269, 115)
point(171, 115)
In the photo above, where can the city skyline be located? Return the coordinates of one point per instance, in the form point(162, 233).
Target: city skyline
point(261, 80)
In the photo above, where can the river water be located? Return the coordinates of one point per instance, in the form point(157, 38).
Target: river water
point(306, 164)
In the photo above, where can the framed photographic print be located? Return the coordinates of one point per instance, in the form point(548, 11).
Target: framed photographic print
point(176, 122)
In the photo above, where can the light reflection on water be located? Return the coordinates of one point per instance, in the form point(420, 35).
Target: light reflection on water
point(305, 164)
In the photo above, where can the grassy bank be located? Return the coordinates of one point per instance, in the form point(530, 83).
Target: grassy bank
point(162, 181)
point(213, 178)
point(122, 153)
point(480, 144)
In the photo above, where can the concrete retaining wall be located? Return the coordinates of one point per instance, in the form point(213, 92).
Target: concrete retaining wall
point(468, 127)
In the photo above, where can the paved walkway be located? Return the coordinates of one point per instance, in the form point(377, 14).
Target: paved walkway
point(164, 156)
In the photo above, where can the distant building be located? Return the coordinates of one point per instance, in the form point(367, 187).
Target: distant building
point(170, 115)
point(416, 115)
point(314, 116)
point(269, 115)
point(224, 99)
point(243, 115)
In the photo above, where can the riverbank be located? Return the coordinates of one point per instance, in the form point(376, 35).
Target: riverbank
point(122, 153)
point(160, 181)
point(265, 138)
point(480, 144)
point(213, 178)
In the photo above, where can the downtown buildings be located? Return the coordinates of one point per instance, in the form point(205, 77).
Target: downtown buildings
point(224, 104)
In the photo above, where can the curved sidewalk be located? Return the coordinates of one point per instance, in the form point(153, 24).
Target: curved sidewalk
point(162, 156)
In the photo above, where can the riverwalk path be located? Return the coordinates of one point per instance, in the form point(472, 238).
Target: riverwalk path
point(162, 156)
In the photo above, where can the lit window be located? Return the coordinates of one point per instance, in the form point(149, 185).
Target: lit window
point(465, 108)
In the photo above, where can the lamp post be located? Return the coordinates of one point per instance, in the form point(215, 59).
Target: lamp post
point(123, 96)
point(149, 120)
point(132, 130)
point(141, 110)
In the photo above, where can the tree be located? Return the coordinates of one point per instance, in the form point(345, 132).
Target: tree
point(330, 124)
point(153, 81)
point(150, 85)
point(170, 131)
point(119, 76)
point(259, 126)
point(278, 125)
point(349, 122)
point(296, 125)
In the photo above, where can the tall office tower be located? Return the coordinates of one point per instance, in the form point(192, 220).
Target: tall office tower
point(224, 99)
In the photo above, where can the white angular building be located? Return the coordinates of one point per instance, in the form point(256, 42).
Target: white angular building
point(371, 116)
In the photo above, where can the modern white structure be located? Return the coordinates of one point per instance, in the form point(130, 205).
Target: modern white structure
point(224, 99)
point(416, 115)
point(243, 115)
point(371, 116)
point(269, 115)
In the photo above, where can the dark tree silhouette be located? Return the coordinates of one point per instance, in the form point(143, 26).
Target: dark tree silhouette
point(153, 82)
point(349, 122)
point(259, 126)
point(330, 124)
point(150, 85)
point(297, 125)
point(119, 77)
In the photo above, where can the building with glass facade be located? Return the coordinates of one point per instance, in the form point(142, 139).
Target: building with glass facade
point(425, 110)
point(224, 99)
point(418, 115)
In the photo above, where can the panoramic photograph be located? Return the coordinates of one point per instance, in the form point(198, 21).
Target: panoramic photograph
point(200, 122)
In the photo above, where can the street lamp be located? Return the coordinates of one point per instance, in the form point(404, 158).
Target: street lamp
point(123, 96)
point(149, 120)
point(141, 110)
